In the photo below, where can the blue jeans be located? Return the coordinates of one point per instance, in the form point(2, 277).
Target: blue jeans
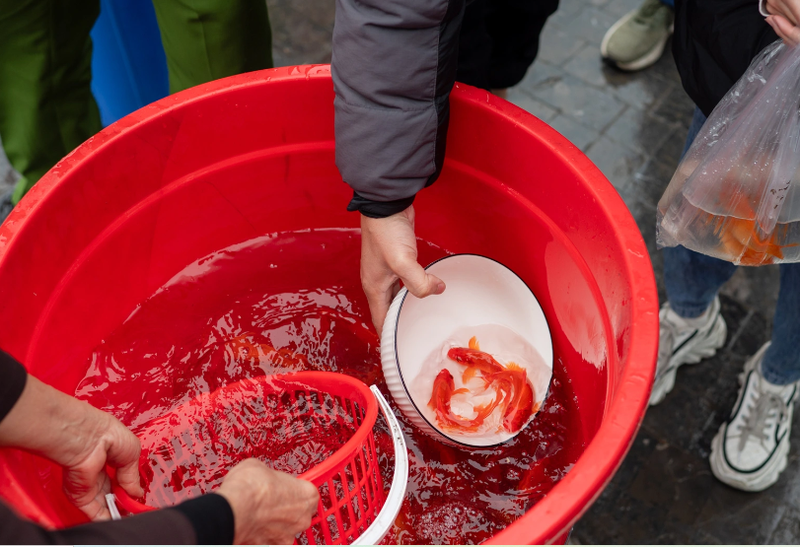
point(693, 280)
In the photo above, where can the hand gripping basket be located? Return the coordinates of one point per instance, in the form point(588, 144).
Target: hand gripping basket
point(264, 411)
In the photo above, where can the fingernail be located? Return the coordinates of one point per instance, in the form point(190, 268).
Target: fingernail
point(439, 288)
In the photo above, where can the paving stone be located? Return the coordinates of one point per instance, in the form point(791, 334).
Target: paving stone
point(788, 530)
point(539, 76)
point(637, 91)
point(567, 10)
point(750, 335)
point(585, 64)
point(617, 163)
point(665, 67)
point(685, 416)
point(618, 8)
point(671, 150)
point(8, 176)
point(591, 106)
point(558, 45)
point(703, 538)
point(676, 480)
point(301, 31)
point(788, 486)
point(675, 107)
point(639, 131)
point(739, 517)
point(651, 180)
point(738, 319)
point(756, 288)
point(535, 107)
point(590, 24)
point(577, 133)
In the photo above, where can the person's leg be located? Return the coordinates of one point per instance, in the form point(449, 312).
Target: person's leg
point(499, 41)
point(751, 449)
point(781, 364)
point(692, 280)
point(691, 327)
point(46, 103)
point(638, 39)
point(205, 40)
point(475, 46)
point(515, 27)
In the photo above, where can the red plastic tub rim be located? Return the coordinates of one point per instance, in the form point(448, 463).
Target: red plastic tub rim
point(553, 516)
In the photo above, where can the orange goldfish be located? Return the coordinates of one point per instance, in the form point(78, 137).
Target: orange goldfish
point(513, 392)
point(742, 237)
point(241, 346)
point(443, 391)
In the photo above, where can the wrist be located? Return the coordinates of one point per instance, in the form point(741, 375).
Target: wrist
point(49, 423)
point(238, 504)
point(378, 209)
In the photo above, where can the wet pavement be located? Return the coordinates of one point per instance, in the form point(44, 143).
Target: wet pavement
point(633, 127)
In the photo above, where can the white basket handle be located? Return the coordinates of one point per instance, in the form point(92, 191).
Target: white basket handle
point(397, 492)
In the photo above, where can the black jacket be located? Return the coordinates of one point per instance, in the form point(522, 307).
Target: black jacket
point(714, 42)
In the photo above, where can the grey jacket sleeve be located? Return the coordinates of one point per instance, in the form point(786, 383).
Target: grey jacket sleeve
point(394, 65)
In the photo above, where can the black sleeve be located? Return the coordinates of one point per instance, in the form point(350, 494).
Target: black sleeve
point(714, 43)
point(205, 520)
point(14, 376)
point(211, 517)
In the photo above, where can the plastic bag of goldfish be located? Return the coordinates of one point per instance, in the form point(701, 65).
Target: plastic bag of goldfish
point(735, 193)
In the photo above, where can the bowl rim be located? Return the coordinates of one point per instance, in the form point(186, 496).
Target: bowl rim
point(400, 370)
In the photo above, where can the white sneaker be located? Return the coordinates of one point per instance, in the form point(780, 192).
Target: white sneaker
point(685, 341)
point(750, 451)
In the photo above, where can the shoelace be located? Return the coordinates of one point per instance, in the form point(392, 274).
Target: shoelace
point(767, 405)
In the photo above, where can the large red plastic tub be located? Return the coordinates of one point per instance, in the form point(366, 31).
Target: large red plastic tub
point(254, 154)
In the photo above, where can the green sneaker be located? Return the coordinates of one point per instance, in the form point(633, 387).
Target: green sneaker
point(637, 40)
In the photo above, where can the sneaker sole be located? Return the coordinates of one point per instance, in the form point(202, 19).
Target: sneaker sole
point(645, 61)
point(749, 482)
point(689, 355)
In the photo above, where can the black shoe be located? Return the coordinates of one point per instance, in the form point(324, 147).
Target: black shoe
point(5, 206)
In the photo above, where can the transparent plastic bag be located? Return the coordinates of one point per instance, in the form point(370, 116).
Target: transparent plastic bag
point(735, 194)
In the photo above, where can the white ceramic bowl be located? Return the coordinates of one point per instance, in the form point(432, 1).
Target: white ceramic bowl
point(480, 291)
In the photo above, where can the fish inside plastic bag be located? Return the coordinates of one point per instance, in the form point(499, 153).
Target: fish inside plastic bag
point(735, 193)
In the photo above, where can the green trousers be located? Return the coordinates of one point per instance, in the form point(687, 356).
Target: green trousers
point(46, 104)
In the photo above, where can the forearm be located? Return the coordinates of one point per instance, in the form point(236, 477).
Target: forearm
point(44, 417)
point(73, 434)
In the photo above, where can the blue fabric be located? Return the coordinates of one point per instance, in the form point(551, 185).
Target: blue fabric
point(693, 280)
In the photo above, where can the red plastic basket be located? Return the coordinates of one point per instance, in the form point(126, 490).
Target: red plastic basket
point(349, 480)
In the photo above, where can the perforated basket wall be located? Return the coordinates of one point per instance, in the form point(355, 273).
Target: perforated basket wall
point(279, 416)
